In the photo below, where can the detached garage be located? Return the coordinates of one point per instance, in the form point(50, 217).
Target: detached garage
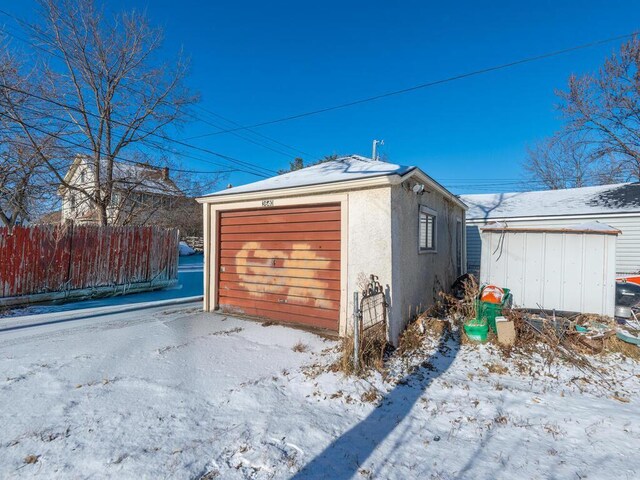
point(295, 247)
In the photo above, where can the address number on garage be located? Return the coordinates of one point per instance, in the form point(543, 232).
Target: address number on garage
point(267, 203)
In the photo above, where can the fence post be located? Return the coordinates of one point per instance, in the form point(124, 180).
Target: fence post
point(356, 332)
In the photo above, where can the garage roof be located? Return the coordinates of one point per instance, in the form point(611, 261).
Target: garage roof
point(602, 199)
point(353, 167)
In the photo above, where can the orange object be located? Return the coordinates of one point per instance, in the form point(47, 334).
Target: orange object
point(630, 279)
point(492, 294)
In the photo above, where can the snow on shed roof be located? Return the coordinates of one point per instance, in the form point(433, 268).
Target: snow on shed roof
point(353, 167)
point(602, 199)
point(588, 227)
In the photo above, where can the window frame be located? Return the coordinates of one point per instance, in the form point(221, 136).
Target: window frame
point(428, 212)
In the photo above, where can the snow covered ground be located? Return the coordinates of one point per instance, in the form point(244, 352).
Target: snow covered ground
point(171, 392)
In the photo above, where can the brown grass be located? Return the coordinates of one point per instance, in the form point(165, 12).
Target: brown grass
point(615, 345)
point(373, 343)
point(300, 347)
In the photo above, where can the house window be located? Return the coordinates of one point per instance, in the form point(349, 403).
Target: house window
point(427, 230)
point(82, 177)
point(72, 202)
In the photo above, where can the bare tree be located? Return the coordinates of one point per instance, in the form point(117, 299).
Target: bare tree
point(565, 161)
point(109, 94)
point(604, 109)
point(25, 181)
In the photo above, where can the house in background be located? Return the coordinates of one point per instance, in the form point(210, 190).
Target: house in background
point(139, 190)
point(295, 247)
point(615, 205)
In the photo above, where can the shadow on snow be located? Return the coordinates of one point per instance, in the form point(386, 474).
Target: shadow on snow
point(345, 455)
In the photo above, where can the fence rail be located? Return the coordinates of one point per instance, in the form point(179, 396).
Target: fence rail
point(62, 258)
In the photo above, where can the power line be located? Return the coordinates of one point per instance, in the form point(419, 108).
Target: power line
point(85, 147)
point(120, 158)
point(271, 139)
point(79, 110)
point(427, 84)
point(197, 118)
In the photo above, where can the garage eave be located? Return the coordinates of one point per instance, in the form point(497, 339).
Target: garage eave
point(370, 182)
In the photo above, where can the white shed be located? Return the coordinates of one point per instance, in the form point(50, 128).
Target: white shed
point(616, 205)
point(563, 268)
point(295, 247)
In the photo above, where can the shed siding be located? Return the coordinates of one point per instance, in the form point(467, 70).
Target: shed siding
point(628, 245)
point(564, 271)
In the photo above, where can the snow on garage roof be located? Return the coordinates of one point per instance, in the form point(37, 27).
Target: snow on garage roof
point(602, 199)
point(353, 167)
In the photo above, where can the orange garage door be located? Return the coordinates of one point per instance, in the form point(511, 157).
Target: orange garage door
point(282, 264)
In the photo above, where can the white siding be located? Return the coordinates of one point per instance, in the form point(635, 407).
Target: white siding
point(628, 245)
point(572, 272)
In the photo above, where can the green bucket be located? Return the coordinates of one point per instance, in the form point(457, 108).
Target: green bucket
point(489, 311)
point(477, 330)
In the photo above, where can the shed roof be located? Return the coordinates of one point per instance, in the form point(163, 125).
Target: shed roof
point(588, 227)
point(352, 167)
point(602, 199)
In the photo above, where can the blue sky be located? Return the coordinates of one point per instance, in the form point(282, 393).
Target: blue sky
point(257, 61)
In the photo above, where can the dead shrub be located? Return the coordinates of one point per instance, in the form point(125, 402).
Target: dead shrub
point(300, 347)
point(424, 326)
point(615, 345)
point(373, 344)
point(370, 396)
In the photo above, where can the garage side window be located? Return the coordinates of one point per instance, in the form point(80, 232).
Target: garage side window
point(427, 230)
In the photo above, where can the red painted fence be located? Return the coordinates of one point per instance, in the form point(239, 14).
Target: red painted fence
point(62, 258)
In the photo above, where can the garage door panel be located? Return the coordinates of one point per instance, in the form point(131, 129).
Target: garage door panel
point(281, 210)
point(297, 310)
point(251, 288)
point(267, 253)
point(326, 246)
point(314, 264)
point(282, 316)
point(306, 273)
point(282, 264)
point(282, 218)
point(288, 227)
point(324, 284)
point(301, 237)
point(243, 298)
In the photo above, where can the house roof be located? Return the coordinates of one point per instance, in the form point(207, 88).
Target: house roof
point(138, 177)
point(602, 199)
point(352, 167)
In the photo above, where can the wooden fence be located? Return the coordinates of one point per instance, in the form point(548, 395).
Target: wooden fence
point(66, 258)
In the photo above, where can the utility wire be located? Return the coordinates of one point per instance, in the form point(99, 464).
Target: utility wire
point(85, 147)
point(427, 84)
point(196, 117)
point(116, 122)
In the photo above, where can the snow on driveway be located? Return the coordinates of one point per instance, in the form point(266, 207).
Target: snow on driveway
point(176, 393)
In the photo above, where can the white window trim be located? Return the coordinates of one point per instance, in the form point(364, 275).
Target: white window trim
point(434, 214)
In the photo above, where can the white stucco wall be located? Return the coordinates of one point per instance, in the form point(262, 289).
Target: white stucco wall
point(419, 277)
point(369, 240)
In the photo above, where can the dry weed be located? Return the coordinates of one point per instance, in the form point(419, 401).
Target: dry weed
point(300, 347)
point(615, 345)
point(373, 344)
